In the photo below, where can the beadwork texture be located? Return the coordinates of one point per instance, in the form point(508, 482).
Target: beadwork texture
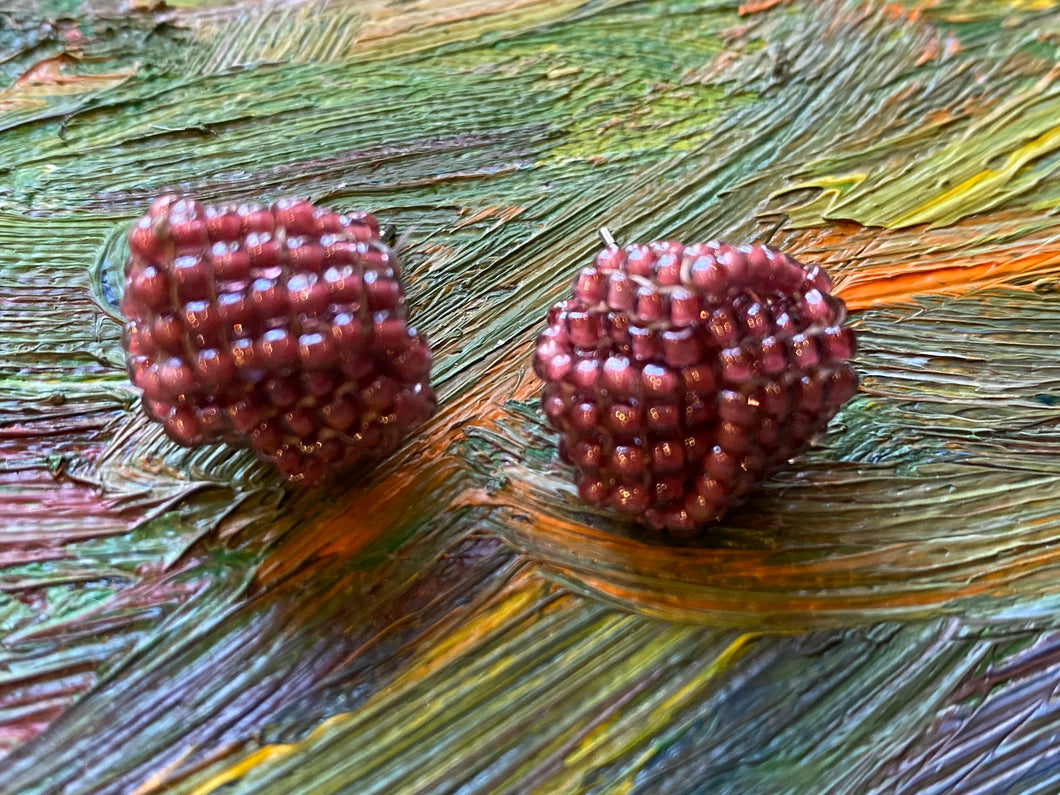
point(282, 328)
point(680, 376)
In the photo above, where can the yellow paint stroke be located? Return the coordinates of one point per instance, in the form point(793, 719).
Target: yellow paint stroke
point(266, 754)
point(987, 182)
point(601, 745)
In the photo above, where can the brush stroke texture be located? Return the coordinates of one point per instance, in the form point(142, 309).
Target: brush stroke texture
point(879, 618)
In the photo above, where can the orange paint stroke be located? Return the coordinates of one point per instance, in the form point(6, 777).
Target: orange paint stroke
point(884, 284)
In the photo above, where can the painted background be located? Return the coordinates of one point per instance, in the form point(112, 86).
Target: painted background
point(881, 617)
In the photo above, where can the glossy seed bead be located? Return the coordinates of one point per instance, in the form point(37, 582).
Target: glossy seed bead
point(620, 379)
point(627, 460)
point(213, 368)
point(151, 286)
point(650, 305)
point(630, 499)
point(277, 349)
point(680, 347)
point(663, 416)
point(668, 456)
point(658, 380)
point(624, 419)
point(837, 343)
point(639, 260)
point(803, 351)
point(621, 291)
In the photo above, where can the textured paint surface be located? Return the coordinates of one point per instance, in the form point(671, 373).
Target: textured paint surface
point(879, 618)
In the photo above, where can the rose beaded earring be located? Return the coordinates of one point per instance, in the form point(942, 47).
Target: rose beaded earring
point(679, 376)
point(282, 329)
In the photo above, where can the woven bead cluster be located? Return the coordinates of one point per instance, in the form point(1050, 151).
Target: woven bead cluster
point(281, 328)
point(680, 376)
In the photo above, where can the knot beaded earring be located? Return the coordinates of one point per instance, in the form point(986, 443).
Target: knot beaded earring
point(283, 329)
point(679, 376)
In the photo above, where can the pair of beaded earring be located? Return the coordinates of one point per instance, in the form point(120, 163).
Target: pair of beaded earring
point(677, 376)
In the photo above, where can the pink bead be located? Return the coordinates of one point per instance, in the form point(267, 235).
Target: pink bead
point(645, 343)
point(264, 251)
point(841, 385)
point(639, 260)
point(809, 394)
point(698, 412)
point(733, 438)
point(305, 256)
point(773, 399)
point(175, 376)
point(203, 321)
point(585, 375)
point(684, 307)
point(213, 368)
point(650, 305)
point(756, 321)
point(188, 233)
point(611, 258)
point(297, 216)
point(735, 366)
point(658, 381)
point(663, 416)
point(300, 422)
point(768, 432)
point(772, 356)
point(280, 391)
point(256, 220)
point(317, 350)
point(583, 329)
point(707, 275)
point(151, 286)
point(838, 343)
point(720, 464)
point(340, 413)
point(230, 263)
point(268, 299)
point(381, 292)
point(667, 456)
point(343, 284)
point(222, 225)
point(586, 454)
point(723, 327)
point(668, 269)
point(390, 333)
point(414, 363)
point(699, 378)
point(306, 294)
point(183, 427)
point(697, 445)
point(244, 355)
point(168, 333)
point(712, 492)
point(680, 346)
point(590, 286)
point(627, 460)
point(803, 352)
point(619, 377)
point(733, 263)
point(583, 417)
point(734, 407)
point(276, 349)
point(621, 292)
point(593, 490)
point(144, 242)
point(347, 331)
point(624, 419)
point(816, 309)
point(629, 499)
